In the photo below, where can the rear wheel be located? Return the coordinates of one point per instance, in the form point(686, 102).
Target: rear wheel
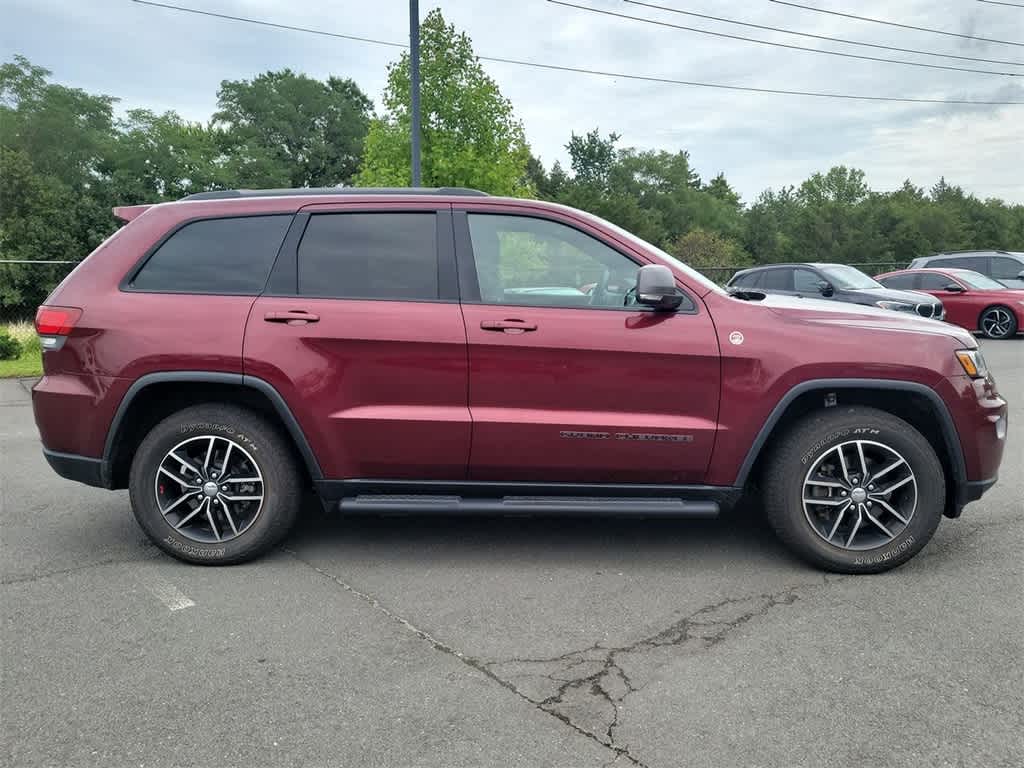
point(854, 490)
point(214, 484)
point(998, 322)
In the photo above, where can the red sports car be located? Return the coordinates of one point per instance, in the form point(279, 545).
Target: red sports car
point(972, 301)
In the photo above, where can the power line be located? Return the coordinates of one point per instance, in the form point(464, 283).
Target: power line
point(998, 2)
point(894, 23)
point(780, 45)
point(823, 37)
point(604, 73)
point(273, 24)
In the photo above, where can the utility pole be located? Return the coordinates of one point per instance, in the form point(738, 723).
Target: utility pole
point(414, 76)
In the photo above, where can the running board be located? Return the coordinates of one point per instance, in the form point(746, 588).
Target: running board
point(584, 506)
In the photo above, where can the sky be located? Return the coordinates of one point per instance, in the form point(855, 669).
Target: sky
point(167, 60)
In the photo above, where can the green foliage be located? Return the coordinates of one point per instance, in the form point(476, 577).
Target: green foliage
point(10, 348)
point(470, 137)
point(288, 130)
point(709, 252)
point(65, 160)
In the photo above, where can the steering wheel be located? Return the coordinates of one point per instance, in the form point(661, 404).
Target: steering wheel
point(600, 291)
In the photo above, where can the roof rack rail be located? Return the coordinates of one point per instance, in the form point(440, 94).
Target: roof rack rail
point(228, 194)
point(970, 250)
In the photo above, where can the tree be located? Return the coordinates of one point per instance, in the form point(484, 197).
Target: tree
point(162, 157)
point(706, 251)
point(470, 137)
point(591, 158)
point(289, 129)
point(55, 159)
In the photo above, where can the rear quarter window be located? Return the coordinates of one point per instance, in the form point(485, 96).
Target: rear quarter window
point(218, 256)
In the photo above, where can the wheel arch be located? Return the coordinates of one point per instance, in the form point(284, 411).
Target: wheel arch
point(157, 395)
point(915, 403)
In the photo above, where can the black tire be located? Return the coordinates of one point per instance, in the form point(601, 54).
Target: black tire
point(998, 322)
point(815, 439)
point(260, 442)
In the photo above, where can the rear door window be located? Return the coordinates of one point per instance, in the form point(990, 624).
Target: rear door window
point(217, 256)
point(1005, 268)
point(370, 256)
point(901, 282)
point(977, 263)
point(777, 280)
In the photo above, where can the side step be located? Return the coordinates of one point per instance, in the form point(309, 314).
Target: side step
point(584, 506)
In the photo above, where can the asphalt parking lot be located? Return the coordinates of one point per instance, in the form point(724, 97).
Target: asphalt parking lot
point(503, 642)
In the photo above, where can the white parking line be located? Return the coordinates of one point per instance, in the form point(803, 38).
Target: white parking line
point(168, 594)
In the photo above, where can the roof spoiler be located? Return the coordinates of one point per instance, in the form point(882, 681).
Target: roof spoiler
point(126, 213)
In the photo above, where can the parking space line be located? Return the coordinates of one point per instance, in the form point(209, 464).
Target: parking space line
point(168, 594)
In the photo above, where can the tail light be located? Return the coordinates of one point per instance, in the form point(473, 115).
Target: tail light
point(53, 324)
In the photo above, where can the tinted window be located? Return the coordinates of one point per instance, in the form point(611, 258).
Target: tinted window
point(748, 280)
point(216, 256)
point(899, 281)
point(527, 261)
point(805, 281)
point(977, 263)
point(931, 282)
point(777, 280)
point(369, 256)
point(1005, 268)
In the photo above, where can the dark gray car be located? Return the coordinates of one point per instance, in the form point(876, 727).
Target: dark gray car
point(837, 282)
point(1005, 266)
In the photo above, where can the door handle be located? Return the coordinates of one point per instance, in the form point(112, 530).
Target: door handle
point(508, 326)
point(292, 317)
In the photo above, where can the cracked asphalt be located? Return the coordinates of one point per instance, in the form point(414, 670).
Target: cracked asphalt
point(503, 642)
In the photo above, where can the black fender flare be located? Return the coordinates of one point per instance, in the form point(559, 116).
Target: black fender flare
point(210, 377)
point(947, 426)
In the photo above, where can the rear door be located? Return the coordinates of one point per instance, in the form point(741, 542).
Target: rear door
point(570, 380)
point(360, 330)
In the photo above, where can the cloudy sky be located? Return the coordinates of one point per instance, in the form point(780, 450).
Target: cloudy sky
point(162, 59)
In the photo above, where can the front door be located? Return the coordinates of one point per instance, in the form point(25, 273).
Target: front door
point(570, 380)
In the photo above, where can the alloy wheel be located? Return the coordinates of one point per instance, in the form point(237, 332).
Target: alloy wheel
point(997, 322)
point(859, 495)
point(209, 489)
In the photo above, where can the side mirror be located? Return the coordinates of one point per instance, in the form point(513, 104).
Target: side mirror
point(656, 287)
point(1020, 275)
point(954, 288)
point(825, 288)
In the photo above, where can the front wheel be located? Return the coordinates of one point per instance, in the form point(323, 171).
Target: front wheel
point(854, 490)
point(998, 323)
point(214, 484)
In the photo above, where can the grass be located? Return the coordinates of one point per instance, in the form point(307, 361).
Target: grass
point(30, 361)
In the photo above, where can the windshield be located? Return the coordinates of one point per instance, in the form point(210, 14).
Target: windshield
point(978, 280)
point(849, 278)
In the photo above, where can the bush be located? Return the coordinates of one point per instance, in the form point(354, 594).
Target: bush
point(10, 349)
point(24, 333)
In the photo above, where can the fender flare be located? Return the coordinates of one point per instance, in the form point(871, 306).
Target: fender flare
point(950, 436)
point(211, 377)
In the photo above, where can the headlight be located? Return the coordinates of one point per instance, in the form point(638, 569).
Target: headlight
point(973, 363)
point(899, 306)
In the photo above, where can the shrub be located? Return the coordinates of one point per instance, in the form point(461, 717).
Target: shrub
point(10, 348)
point(24, 333)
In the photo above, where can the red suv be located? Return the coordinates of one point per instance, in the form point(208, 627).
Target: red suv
point(442, 350)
